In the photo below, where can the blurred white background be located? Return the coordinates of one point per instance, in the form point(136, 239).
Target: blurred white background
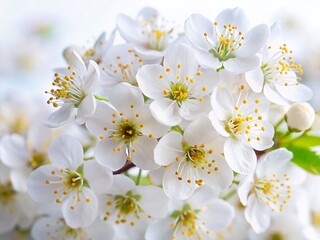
point(35, 32)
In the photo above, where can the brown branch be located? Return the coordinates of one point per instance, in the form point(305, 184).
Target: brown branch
point(125, 168)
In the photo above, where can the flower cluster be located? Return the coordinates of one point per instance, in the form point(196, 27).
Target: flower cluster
point(170, 136)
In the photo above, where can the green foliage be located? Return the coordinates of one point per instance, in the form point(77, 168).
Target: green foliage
point(304, 154)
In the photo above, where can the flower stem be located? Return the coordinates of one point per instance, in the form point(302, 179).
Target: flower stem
point(139, 177)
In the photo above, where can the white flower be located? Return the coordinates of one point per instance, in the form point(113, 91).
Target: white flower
point(16, 115)
point(300, 117)
point(285, 226)
point(70, 182)
point(277, 76)
point(130, 208)
point(16, 209)
point(269, 188)
point(179, 88)
point(73, 90)
point(226, 43)
point(196, 218)
point(121, 65)
point(24, 154)
point(240, 119)
point(96, 53)
point(149, 33)
point(48, 228)
point(127, 130)
point(193, 159)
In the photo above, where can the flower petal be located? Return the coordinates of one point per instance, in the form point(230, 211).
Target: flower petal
point(265, 136)
point(254, 41)
point(19, 178)
point(222, 103)
point(240, 157)
point(129, 29)
point(126, 98)
point(217, 215)
point(205, 81)
point(178, 189)
point(218, 125)
point(255, 79)
point(150, 124)
point(245, 187)
point(200, 131)
point(168, 149)
point(98, 122)
point(98, 230)
point(61, 116)
point(143, 157)
point(257, 214)
point(273, 96)
point(45, 228)
point(91, 79)
point(220, 176)
point(295, 93)
point(9, 217)
point(181, 61)
point(86, 109)
point(66, 152)
point(207, 60)
point(110, 154)
point(160, 230)
point(13, 150)
point(195, 28)
point(80, 209)
point(121, 185)
point(151, 196)
point(233, 16)
point(166, 111)
point(77, 63)
point(194, 108)
point(240, 65)
point(153, 80)
point(42, 184)
point(99, 177)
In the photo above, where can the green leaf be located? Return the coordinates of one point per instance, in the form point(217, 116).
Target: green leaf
point(306, 141)
point(304, 157)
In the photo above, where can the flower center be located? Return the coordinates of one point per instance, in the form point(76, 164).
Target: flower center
point(279, 66)
point(74, 180)
point(196, 155)
point(235, 126)
point(90, 53)
point(273, 191)
point(315, 218)
point(37, 159)
point(73, 233)
point(67, 89)
point(128, 204)
point(186, 220)
point(276, 236)
point(228, 42)
point(7, 193)
point(128, 131)
point(178, 92)
point(158, 39)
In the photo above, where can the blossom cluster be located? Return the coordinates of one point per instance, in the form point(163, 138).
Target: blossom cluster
point(168, 136)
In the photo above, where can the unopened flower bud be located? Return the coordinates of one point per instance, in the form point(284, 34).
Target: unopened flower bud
point(316, 124)
point(300, 117)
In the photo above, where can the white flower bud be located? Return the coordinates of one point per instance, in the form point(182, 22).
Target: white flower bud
point(300, 117)
point(316, 125)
